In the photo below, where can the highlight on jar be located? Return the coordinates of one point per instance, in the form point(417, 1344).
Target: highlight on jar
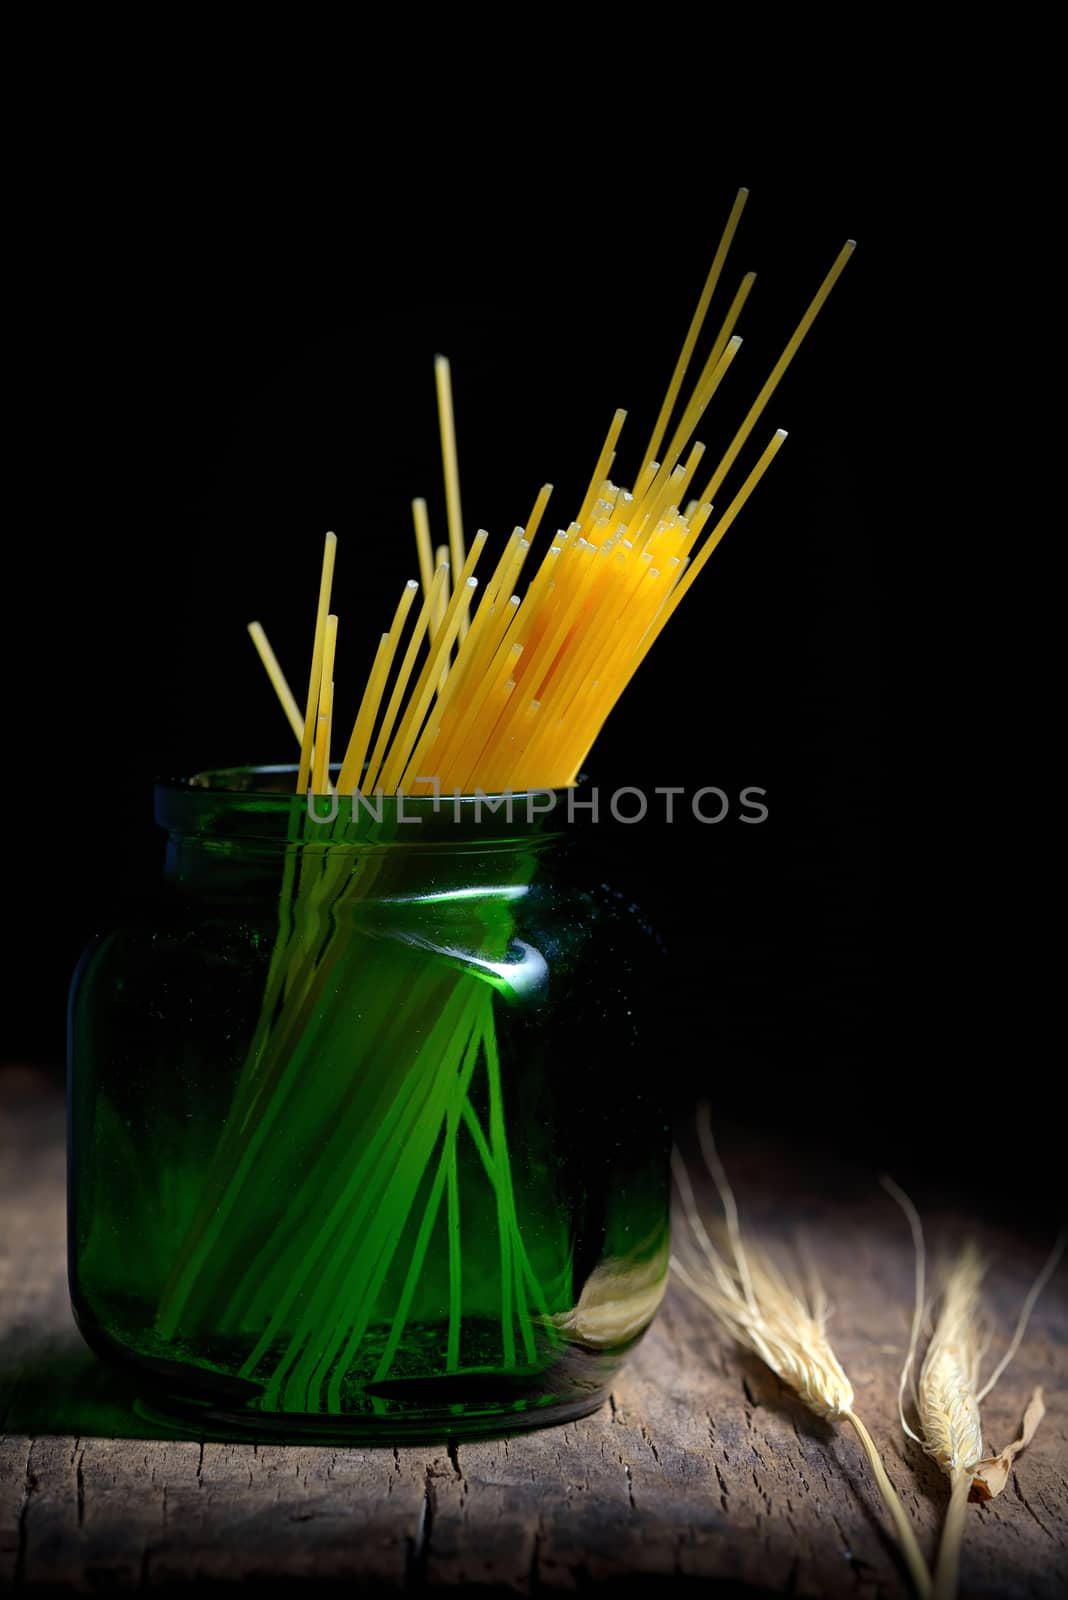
point(349, 1155)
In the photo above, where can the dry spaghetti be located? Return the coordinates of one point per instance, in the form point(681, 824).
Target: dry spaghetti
point(513, 694)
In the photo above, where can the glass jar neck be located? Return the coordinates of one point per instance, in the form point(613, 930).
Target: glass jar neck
point(244, 827)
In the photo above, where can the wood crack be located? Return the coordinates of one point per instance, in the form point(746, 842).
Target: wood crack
point(30, 1487)
point(534, 1569)
point(1030, 1508)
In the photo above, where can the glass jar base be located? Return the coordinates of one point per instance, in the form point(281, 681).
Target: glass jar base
point(183, 1418)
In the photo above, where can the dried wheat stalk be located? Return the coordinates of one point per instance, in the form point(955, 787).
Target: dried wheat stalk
point(948, 1393)
point(753, 1302)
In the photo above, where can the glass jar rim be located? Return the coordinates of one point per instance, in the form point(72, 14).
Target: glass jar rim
point(258, 804)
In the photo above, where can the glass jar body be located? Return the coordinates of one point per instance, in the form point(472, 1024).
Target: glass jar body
point(362, 1138)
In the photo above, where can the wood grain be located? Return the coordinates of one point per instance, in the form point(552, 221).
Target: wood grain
point(701, 1468)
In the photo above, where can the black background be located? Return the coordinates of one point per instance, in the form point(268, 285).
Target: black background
point(231, 351)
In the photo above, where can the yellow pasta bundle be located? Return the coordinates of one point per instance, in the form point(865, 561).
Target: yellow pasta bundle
point(509, 693)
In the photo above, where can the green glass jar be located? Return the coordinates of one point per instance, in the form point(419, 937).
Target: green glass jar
point(363, 1142)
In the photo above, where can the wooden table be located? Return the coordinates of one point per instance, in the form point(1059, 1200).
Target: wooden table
point(700, 1468)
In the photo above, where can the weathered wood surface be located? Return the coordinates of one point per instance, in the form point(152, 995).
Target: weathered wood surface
point(701, 1468)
